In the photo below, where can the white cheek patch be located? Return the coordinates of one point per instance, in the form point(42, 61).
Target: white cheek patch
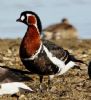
point(22, 18)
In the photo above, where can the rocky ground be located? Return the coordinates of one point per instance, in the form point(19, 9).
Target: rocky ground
point(73, 85)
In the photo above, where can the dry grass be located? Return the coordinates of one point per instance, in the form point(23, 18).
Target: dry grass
point(73, 85)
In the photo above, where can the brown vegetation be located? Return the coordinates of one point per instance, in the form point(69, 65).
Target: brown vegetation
point(73, 85)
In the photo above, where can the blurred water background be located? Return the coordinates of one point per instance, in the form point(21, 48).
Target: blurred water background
point(50, 11)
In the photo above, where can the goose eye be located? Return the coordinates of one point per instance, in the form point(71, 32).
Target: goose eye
point(22, 18)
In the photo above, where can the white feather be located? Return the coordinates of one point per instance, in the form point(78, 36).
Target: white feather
point(12, 88)
point(67, 67)
point(62, 67)
point(54, 60)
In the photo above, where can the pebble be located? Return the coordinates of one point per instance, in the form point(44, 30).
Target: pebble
point(73, 82)
point(22, 97)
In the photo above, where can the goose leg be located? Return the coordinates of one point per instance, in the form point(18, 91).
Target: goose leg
point(50, 77)
point(41, 78)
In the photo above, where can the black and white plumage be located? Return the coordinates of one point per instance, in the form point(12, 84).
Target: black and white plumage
point(42, 57)
point(11, 81)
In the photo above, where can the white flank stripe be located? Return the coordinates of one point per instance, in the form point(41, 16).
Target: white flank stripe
point(12, 88)
point(62, 67)
point(35, 55)
point(54, 60)
point(67, 67)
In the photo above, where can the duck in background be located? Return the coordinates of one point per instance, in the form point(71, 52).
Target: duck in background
point(62, 30)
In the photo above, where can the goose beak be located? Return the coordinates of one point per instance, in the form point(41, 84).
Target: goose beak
point(19, 20)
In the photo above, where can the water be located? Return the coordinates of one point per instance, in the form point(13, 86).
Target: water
point(50, 11)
